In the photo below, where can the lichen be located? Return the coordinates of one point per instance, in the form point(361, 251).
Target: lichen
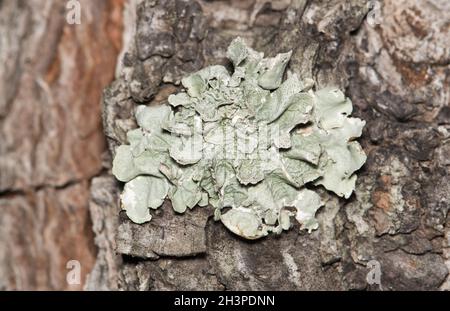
point(245, 144)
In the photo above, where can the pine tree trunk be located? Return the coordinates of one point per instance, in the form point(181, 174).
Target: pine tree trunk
point(391, 58)
point(51, 140)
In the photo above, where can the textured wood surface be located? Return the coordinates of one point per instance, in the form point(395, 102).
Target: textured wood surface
point(394, 64)
point(395, 70)
point(51, 139)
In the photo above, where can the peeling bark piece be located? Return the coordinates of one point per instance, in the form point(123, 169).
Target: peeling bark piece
point(163, 236)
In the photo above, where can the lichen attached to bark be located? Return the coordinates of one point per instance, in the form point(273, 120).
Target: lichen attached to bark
point(245, 144)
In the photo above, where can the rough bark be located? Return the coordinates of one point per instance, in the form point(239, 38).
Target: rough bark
point(396, 73)
point(51, 139)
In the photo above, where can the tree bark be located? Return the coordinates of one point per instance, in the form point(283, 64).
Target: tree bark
point(393, 63)
point(397, 75)
point(51, 139)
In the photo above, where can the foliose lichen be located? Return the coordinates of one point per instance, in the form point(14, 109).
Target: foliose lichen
point(245, 144)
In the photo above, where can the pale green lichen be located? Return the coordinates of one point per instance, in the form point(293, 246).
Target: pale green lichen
point(244, 144)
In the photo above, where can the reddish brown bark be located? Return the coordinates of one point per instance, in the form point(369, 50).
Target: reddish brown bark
point(52, 76)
